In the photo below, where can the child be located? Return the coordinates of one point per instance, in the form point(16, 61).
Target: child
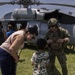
point(40, 58)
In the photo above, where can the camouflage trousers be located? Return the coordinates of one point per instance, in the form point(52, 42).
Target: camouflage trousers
point(61, 58)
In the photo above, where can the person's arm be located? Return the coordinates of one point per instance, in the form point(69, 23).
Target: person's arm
point(47, 60)
point(7, 35)
point(66, 37)
point(33, 59)
point(47, 38)
point(15, 46)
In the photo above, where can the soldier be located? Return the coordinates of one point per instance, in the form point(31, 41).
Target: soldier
point(57, 37)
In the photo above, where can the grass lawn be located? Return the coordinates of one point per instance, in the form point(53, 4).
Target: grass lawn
point(24, 66)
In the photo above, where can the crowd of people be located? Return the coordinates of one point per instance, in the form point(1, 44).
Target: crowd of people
point(55, 39)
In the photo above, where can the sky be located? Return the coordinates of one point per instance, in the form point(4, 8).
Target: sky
point(9, 8)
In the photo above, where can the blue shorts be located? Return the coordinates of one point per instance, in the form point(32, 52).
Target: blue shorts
point(7, 63)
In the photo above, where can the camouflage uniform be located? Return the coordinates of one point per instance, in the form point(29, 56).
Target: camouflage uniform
point(40, 60)
point(57, 49)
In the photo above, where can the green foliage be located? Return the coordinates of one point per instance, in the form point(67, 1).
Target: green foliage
point(24, 66)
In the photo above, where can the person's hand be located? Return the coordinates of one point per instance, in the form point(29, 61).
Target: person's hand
point(49, 41)
point(16, 59)
point(60, 40)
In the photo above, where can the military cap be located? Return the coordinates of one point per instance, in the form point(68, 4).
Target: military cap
point(52, 22)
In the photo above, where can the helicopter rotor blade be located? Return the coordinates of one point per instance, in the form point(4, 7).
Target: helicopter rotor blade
point(67, 5)
point(35, 3)
point(4, 3)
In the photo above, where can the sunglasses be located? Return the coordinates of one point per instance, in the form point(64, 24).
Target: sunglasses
point(33, 37)
point(52, 26)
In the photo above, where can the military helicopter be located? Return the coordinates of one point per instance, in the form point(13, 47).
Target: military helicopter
point(40, 16)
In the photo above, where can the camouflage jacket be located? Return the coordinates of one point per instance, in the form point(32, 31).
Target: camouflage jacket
point(40, 60)
point(60, 34)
